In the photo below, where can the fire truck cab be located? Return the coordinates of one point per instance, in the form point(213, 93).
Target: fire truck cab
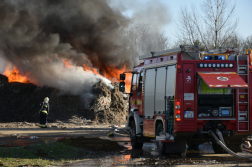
point(178, 95)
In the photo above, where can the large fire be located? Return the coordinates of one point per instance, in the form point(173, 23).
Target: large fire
point(15, 76)
point(128, 82)
point(88, 68)
point(111, 72)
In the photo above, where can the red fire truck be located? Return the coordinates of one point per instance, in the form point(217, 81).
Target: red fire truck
point(177, 96)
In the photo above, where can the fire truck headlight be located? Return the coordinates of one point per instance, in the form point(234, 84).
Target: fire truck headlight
point(226, 65)
point(201, 65)
point(217, 65)
point(231, 65)
point(222, 65)
point(205, 65)
point(214, 65)
point(209, 65)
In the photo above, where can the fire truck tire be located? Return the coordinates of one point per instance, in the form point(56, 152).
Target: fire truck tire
point(218, 149)
point(133, 138)
point(177, 147)
point(235, 147)
point(193, 146)
point(160, 145)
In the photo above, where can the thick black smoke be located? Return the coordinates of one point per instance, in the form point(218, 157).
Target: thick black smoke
point(36, 35)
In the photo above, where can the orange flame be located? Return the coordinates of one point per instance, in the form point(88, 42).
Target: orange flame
point(113, 74)
point(128, 82)
point(88, 68)
point(16, 76)
point(67, 65)
point(110, 72)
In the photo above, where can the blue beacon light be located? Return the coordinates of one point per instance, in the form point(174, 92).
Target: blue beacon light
point(206, 57)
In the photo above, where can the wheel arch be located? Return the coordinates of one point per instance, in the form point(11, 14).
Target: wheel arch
point(133, 116)
point(158, 120)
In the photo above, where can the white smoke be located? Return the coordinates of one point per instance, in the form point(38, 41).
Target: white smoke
point(72, 79)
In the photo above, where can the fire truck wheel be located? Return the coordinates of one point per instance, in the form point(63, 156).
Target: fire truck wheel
point(133, 138)
point(218, 149)
point(193, 146)
point(160, 145)
point(235, 147)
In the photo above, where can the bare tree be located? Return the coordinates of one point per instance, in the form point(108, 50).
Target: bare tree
point(143, 39)
point(246, 44)
point(212, 26)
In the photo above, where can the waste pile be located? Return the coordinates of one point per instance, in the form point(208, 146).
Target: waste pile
point(20, 102)
point(109, 106)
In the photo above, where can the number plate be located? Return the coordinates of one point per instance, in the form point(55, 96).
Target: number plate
point(189, 114)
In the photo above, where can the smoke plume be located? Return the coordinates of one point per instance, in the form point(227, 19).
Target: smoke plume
point(37, 36)
point(151, 12)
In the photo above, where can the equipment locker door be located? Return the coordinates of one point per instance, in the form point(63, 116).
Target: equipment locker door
point(189, 90)
point(160, 90)
point(149, 102)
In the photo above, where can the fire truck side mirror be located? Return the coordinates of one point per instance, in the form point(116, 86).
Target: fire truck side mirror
point(122, 76)
point(122, 87)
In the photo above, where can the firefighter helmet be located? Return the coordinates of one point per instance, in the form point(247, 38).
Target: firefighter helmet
point(46, 100)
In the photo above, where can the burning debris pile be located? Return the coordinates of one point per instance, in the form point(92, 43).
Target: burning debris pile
point(109, 105)
point(19, 102)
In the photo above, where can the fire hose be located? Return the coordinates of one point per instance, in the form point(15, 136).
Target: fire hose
point(225, 147)
point(220, 136)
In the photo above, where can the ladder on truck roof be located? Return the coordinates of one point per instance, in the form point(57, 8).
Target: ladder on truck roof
point(160, 53)
point(243, 116)
point(183, 48)
point(223, 50)
point(188, 48)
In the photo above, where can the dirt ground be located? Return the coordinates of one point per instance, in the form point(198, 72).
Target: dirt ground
point(93, 144)
point(19, 133)
point(55, 130)
point(114, 151)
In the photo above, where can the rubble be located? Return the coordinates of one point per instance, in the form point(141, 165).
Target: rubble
point(20, 102)
point(109, 106)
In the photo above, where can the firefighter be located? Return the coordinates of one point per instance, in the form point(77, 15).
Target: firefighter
point(44, 111)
